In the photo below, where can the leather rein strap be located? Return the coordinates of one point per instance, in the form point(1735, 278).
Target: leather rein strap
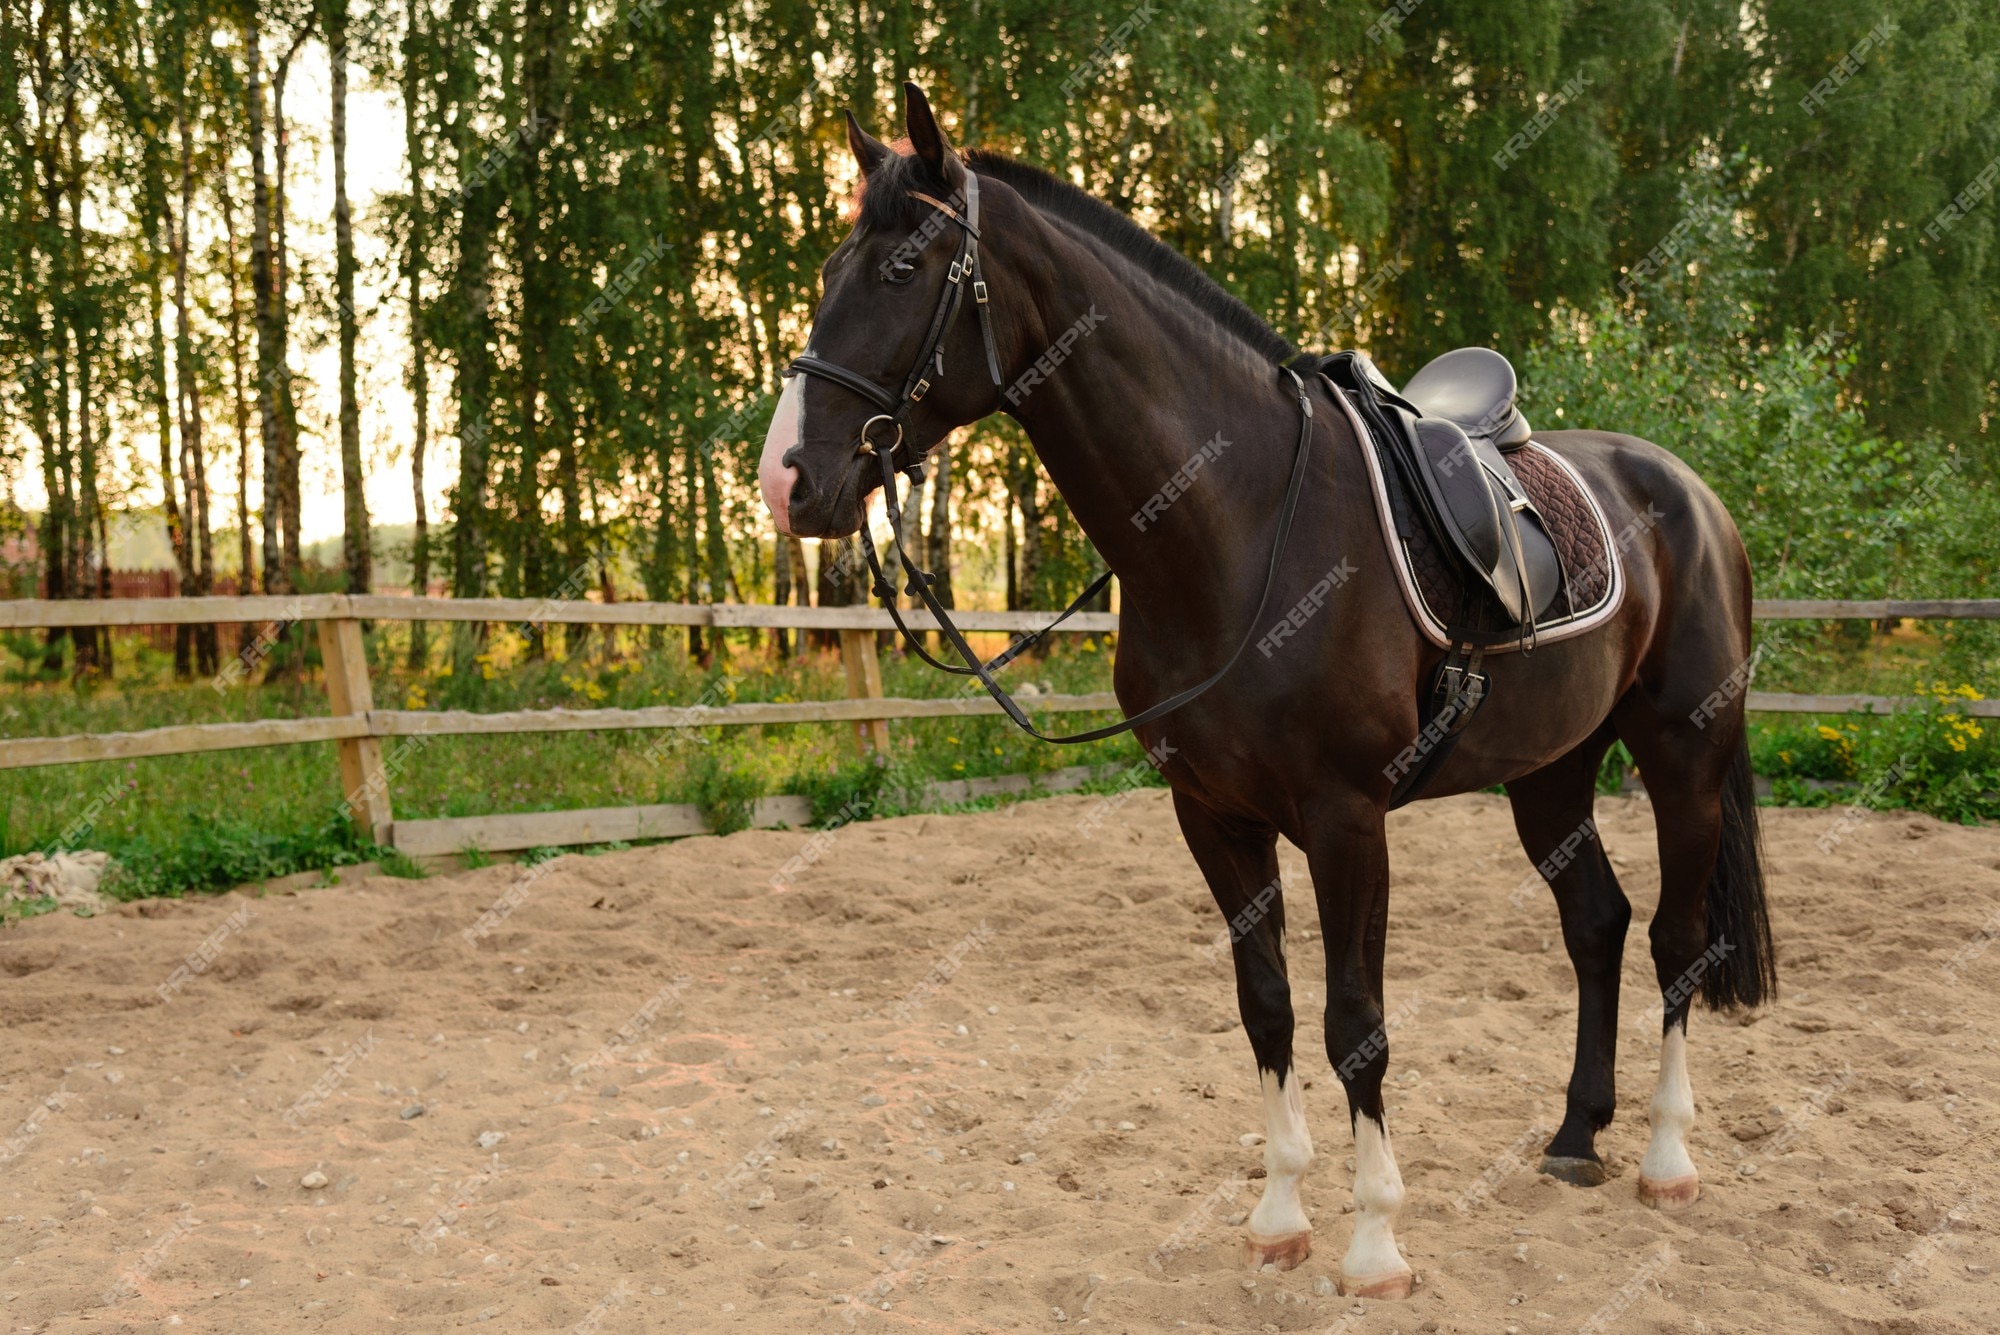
point(895, 410)
point(920, 583)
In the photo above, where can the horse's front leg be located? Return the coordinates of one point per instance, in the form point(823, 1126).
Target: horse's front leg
point(1349, 855)
point(1241, 866)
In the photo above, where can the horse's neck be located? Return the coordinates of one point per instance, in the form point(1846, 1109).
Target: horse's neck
point(1171, 445)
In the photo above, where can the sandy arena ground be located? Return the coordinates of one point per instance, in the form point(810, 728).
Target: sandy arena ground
point(976, 1072)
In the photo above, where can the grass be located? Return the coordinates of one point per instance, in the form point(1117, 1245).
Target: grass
point(181, 824)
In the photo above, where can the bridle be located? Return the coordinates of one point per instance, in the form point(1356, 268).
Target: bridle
point(930, 358)
point(896, 408)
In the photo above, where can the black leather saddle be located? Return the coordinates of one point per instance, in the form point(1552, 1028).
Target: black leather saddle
point(1473, 388)
point(1444, 437)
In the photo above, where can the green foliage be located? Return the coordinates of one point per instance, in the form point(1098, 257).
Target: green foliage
point(1611, 774)
point(845, 790)
point(395, 862)
point(208, 853)
point(1936, 759)
point(724, 790)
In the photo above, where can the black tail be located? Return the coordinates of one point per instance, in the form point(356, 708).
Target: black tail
point(1745, 972)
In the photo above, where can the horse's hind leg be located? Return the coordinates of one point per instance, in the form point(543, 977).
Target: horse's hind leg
point(1241, 866)
point(1552, 813)
point(1710, 935)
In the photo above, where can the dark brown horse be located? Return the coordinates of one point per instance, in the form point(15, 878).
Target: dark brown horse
point(1124, 363)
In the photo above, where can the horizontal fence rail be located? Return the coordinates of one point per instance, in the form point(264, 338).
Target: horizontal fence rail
point(359, 729)
point(25, 614)
point(1882, 609)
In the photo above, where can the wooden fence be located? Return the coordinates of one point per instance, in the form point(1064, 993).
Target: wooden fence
point(359, 729)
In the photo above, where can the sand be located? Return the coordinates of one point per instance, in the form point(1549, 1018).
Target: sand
point(984, 1070)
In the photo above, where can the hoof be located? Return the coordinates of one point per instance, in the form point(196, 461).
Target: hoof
point(1284, 1251)
point(1576, 1172)
point(1676, 1193)
point(1388, 1288)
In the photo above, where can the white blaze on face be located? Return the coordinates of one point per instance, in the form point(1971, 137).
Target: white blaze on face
point(774, 475)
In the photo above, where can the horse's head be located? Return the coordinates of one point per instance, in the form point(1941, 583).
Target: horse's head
point(898, 304)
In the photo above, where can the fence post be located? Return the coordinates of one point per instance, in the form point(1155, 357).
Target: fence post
point(864, 682)
point(363, 778)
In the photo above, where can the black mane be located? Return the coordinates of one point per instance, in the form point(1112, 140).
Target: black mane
point(891, 207)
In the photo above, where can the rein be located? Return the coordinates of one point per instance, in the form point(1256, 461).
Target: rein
point(896, 410)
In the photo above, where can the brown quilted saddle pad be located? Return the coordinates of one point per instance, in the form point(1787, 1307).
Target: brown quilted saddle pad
point(1435, 587)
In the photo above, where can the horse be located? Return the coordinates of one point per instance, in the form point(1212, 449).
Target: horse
point(1123, 363)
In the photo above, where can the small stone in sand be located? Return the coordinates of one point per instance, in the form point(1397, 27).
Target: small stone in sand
point(313, 1181)
point(414, 1110)
point(488, 1139)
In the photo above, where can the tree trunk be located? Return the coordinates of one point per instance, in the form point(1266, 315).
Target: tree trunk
point(246, 568)
point(838, 559)
point(56, 518)
point(471, 310)
point(270, 354)
point(781, 591)
point(1026, 484)
point(420, 386)
point(354, 499)
point(198, 579)
point(937, 547)
point(159, 236)
point(93, 643)
point(92, 578)
point(717, 548)
point(288, 414)
point(659, 569)
point(576, 556)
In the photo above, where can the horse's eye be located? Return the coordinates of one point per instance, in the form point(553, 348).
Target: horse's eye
point(898, 271)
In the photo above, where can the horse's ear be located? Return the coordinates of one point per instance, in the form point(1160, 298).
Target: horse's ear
point(869, 151)
point(928, 138)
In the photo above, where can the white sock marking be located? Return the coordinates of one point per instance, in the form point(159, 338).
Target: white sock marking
point(1288, 1152)
point(1378, 1195)
point(1673, 1113)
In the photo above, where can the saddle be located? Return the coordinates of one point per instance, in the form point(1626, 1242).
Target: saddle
point(1439, 452)
point(1444, 439)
